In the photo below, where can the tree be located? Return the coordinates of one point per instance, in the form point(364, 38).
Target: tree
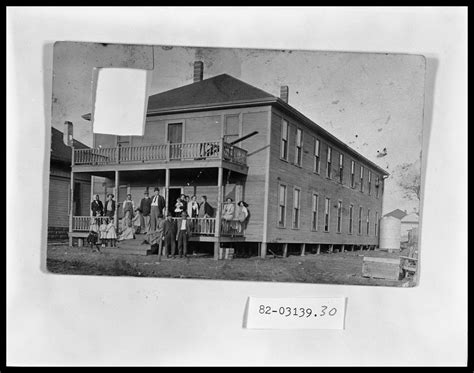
point(408, 176)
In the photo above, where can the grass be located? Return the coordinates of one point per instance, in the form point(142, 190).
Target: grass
point(335, 268)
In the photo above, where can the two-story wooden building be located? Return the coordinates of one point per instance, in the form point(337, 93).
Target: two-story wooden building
point(304, 186)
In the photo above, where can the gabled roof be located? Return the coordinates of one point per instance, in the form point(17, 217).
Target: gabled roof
point(399, 214)
point(60, 152)
point(221, 89)
point(411, 218)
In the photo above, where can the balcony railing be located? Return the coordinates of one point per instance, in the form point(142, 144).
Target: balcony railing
point(199, 226)
point(213, 150)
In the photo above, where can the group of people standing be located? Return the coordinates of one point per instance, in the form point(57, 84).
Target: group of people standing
point(149, 218)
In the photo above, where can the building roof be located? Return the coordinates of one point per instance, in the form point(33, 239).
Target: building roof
point(218, 90)
point(60, 152)
point(225, 91)
point(411, 218)
point(399, 214)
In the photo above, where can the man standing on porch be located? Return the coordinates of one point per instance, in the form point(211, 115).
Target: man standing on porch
point(145, 207)
point(157, 206)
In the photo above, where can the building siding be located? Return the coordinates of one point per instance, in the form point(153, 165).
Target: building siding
point(282, 172)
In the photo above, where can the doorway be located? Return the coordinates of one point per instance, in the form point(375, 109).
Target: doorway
point(173, 194)
point(175, 136)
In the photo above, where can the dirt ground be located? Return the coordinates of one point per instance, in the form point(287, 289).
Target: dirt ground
point(334, 268)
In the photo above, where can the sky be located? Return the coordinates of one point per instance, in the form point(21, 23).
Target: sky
point(370, 101)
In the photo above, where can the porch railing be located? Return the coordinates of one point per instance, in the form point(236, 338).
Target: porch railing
point(84, 223)
point(199, 226)
point(163, 152)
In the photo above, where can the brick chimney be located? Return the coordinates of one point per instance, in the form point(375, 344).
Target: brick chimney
point(284, 93)
point(198, 71)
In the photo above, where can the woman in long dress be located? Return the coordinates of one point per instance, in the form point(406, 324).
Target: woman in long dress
point(243, 215)
point(227, 215)
point(128, 232)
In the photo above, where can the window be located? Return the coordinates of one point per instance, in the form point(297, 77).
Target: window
point(298, 147)
point(351, 214)
point(360, 220)
point(326, 215)
point(370, 183)
point(328, 165)
point(352, 174)
point(317, 160)
point(231, 128)
point(339, 216)
point(341, 168)
point(368, 221)
point(377, 181)
point(284, 140)
point(282, 206)
point(296, 208)
point(361, 178)
point(314, 214)
point(376, 225)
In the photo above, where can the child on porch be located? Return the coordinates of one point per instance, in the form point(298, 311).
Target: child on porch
point(103, 232)
point(93, 238)
point(111, 233)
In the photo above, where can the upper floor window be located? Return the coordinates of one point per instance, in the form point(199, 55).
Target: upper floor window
point(314, 212)
point(284, 140)
point(339, 216)
point(360, 220)
point(361, 178)
point(326, 214)
point(231, 128)
point(351, 215)
point(341, 168)
point(352, 174)
point(328, 163)
point(296, 207)
point(282, 205)
point(298, 147)
point(377, 186)
point(369, 190)
point(317, 158)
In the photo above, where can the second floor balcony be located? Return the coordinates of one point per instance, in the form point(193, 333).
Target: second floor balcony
point(169, 152)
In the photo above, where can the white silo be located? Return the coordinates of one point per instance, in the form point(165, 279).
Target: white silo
point(390, 233)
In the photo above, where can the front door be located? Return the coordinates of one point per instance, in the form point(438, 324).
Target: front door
point(175, 136)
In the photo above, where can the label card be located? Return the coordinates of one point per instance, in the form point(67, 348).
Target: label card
point(295, 313)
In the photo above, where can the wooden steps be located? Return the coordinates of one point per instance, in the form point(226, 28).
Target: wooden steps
point(129, 247)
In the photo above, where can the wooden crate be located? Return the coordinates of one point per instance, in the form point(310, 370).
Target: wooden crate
point(386, 268)
point(226, 253)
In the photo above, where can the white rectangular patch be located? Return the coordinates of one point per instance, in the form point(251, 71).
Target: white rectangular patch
point(295, 313)
point(120, 101)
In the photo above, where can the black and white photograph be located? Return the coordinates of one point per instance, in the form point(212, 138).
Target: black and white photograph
point(236, 186)
point(235, 164)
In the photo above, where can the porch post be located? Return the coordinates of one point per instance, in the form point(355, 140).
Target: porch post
point(263, 250)
point(285, 250)
point(167, 189)
point(116, 190)
point(92, 194)
point(218, 212)
point(303, 249)
point(71, 208)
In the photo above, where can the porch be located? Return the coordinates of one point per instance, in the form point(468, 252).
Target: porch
point(216, 183)
point(202, 229)
point(184, 155)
